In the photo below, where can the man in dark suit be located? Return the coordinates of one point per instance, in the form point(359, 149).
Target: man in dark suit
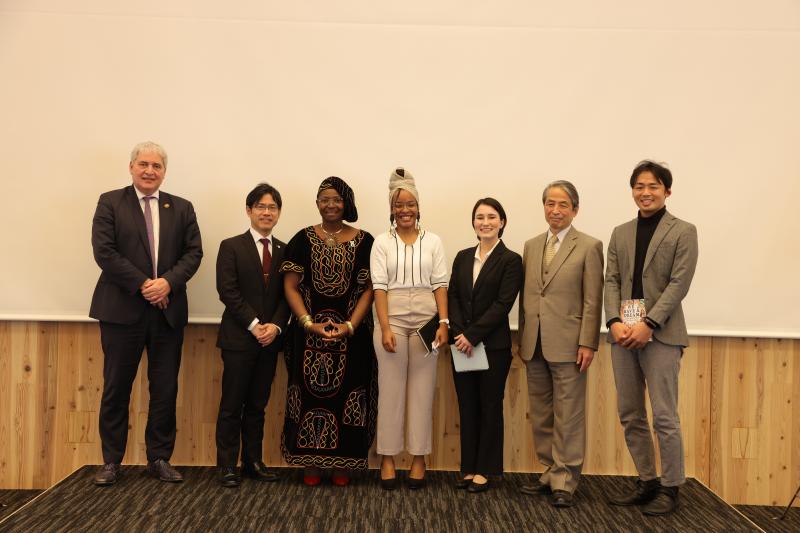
point(651, 258)
point(251, 287)
point(147, 244)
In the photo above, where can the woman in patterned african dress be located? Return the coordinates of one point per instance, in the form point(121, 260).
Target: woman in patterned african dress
point(332, 389)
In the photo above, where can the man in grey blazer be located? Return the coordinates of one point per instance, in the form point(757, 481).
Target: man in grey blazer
point(650, 258)
point(560, 308)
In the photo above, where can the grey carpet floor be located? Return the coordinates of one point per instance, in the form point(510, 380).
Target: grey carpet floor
point(11, 500)
point(142, 504)
point(764, 516)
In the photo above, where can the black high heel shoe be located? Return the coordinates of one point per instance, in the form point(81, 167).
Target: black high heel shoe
point(414, 483)
point(390, 483)
point(463, 483)
point(478, 487)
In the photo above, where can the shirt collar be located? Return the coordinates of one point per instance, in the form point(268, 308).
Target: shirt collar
point(478, 251)
point(257, 236)
point(561, 234)
point(140, 194)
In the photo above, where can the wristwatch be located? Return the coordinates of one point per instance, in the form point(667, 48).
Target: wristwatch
point(445, 321)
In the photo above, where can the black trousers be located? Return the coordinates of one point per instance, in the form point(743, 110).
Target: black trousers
point(122, 348)
point(246, 382)
point(480, 406)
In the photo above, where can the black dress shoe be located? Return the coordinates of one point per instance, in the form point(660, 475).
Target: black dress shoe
point(259, 471)
point(561, 498)
point(644, 492)
point(229, 477)
point(462, 483)
point(106, 474)
point(478, 487)
point(665, 502)
point(414, 483)
point(535, 489)
point(164, 471)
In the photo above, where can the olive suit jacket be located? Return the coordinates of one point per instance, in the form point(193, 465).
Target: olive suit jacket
point(562, 302)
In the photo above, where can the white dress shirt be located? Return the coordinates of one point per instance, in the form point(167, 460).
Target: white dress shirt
point(154, 208)
point(260, 247)
point(477, 265)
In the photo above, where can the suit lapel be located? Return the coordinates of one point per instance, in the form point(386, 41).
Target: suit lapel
point(138, 218)
point(251, 249)
point(536, 257)
point(491, 262)
point(166, 220)
point(277, 255)
point(664, 225)
point(466, 275)
point(570, 241)
point(629, 241)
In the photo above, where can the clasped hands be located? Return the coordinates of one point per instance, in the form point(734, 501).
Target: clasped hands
point(329, 330)
point(156, 291)
point(265, 333)
point(631, 337)
point(463, 344)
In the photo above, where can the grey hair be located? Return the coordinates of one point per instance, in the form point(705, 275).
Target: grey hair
point(565, 186)
point(149, 146)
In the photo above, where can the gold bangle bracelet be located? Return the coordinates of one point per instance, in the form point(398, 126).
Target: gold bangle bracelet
point(350, 327)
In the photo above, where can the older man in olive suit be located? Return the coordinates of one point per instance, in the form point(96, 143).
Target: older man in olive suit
point(560, 308)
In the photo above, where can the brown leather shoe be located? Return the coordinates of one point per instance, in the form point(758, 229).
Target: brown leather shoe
point(106, 474)
point(164, 471)
point(665, 502)
point(535, 489)
point(259, 471)
point(644, 492)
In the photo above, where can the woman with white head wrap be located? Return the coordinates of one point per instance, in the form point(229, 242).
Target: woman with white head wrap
point(409, 277)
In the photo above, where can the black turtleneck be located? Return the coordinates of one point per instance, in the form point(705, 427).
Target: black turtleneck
point(645, 228)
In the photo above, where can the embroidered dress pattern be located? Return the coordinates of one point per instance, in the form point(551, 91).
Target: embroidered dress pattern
point(331, 403)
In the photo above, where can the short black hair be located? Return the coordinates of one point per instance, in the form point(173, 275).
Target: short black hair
point(260, 190)
point(494, 204)
point(658, 170)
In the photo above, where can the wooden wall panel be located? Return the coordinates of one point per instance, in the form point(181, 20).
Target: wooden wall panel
point(737, 397)
point(755, 421)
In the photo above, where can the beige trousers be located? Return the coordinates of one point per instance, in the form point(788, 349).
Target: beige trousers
point(406, 378)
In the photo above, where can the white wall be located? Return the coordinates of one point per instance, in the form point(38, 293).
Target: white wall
point(474, 99)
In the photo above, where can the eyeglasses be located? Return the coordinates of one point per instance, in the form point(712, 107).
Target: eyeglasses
point(404, 205)
point(260, 208)
point(335, 200)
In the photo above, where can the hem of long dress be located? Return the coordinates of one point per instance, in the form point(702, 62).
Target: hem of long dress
point(323, 461)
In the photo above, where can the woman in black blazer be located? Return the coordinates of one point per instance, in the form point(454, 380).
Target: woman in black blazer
point(484, 283)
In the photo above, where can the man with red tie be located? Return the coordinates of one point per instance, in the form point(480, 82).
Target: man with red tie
point(147, 244)
point(250, 286)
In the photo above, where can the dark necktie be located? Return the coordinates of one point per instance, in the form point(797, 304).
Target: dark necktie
point(266, 260)
point(148, 222)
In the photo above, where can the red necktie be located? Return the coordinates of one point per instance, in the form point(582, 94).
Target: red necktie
point(266, 260)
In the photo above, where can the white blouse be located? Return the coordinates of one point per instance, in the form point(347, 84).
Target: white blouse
point(397, 265)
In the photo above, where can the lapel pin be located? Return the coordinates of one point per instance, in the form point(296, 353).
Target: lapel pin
point(166, 205)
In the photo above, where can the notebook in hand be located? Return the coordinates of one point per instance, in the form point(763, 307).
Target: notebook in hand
point(465, 363)
point(427, 333)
